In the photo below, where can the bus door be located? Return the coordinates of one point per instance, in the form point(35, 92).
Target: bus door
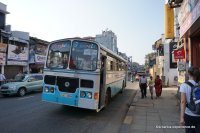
point(102, 90)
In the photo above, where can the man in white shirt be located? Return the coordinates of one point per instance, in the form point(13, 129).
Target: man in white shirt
point(2, 78)
point(143, 86)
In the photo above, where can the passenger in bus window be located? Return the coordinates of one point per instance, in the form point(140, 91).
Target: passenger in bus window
point(65, 61)
point(72, 64)
point(86, 63)
point(55, 61)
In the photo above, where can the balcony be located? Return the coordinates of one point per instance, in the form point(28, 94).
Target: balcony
point(175, 3)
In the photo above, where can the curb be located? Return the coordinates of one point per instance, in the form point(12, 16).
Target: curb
point(128, 120)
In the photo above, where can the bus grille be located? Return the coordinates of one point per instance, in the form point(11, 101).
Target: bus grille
point(49, 79)
point(66, 84)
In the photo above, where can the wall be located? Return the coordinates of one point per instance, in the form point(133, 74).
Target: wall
point(3, 7)
point(169, 73)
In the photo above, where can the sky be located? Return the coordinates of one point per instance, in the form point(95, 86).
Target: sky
point(136, 23)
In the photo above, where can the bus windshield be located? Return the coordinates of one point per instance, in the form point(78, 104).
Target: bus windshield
point(83, 56)
point(58, 55)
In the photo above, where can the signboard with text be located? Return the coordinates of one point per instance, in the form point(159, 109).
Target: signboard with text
point(173, 61)
point(17, 54)
point(179, 54)
point(40, 58)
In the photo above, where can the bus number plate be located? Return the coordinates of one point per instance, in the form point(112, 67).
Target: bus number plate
point(66, 95)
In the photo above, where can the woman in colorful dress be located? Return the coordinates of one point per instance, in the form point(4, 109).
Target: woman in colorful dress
point(158, 86)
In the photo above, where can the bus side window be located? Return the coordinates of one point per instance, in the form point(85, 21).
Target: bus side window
point(111, 66)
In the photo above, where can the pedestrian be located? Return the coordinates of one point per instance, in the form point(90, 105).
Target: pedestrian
point(187, 117)
point(143, 86)
point(158, 86)
point(151, 85)
point(2, 78)
point(19, 73)
point(19, 76)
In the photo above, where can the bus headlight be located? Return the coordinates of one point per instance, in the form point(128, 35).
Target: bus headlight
point(82, 94)
point(89, 95)
point(46, 89)
point(51, 90)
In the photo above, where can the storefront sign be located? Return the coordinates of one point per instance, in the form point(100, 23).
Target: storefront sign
point(169, 22)
point(186, 23)
point(2, 58)
point(22, 63)
point(179, 54)
point(18, 53)
point(173, 61)
point(40, 58)
point(3, 47)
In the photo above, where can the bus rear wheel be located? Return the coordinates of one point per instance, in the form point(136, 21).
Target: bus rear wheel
point(123, 86)
point(108, 97)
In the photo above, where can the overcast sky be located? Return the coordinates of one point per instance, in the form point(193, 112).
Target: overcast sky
point(137, 23)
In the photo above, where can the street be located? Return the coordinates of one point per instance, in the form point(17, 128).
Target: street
point(30, 115)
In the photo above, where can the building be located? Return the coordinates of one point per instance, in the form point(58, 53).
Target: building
point(108, 39)
point(189, 20)
point(188, 12)
point(166, 65)
point(17, 54)
point(15, 49)
point(37, 54)
point(3, 13)
point(4, 36)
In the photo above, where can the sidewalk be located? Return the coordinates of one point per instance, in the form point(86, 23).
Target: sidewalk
point(157, 116)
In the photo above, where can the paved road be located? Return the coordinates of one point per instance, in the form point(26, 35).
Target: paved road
point(30, 115)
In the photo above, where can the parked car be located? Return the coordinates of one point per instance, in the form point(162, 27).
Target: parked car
point(22, 84)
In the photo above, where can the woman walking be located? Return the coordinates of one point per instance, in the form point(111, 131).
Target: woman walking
point(158, 86)
point(187, 117)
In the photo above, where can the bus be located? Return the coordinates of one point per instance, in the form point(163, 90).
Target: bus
point(82, 73)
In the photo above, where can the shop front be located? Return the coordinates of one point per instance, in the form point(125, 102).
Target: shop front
point(38, 65)
point(3, 48)
point(37, 55)
point(189, 19)
point(17, 59)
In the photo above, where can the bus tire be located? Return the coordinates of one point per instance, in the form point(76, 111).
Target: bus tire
point(123, 86)
point(21, 92)
point(108, 97)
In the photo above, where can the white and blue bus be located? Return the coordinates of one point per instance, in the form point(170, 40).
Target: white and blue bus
point(82, 73)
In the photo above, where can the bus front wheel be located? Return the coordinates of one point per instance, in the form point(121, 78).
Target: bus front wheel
point(108, 97)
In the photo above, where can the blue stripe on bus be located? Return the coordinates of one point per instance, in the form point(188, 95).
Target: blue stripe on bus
point(115, 87)
point(61, 97)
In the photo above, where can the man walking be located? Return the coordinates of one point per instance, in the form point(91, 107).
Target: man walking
point(2, 78)
point(143, 86)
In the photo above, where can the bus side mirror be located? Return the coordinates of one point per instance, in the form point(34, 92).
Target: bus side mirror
point(98, 64)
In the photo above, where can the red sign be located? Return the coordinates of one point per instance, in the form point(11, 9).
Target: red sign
point(179, 54)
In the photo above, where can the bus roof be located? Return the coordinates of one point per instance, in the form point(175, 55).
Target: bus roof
point(111, 52)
